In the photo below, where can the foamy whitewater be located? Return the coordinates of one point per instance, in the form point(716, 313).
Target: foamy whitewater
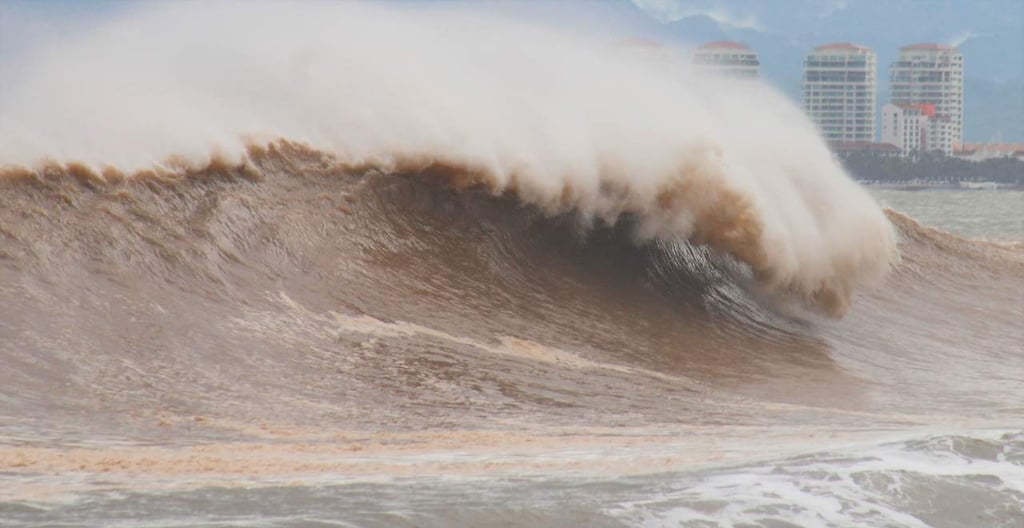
point(339, 264)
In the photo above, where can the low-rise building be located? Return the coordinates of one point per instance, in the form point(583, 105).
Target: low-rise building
point(917, 128)
point(986, 151)
point(901, 126)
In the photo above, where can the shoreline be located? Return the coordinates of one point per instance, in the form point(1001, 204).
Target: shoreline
point(941, 186)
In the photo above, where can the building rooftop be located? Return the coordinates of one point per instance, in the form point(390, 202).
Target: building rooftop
point(841, 46)
point(928, 46)
point(991, 150)
point(724, 44)
point(1008, 148)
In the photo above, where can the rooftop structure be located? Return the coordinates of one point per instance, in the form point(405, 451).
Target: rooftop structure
point(839, 92)
point(729, 58)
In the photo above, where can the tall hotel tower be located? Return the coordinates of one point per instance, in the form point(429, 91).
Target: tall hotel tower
point(729, 58)
point(839, 92)
point(931, 74)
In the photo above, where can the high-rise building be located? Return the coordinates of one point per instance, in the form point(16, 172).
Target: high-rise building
point(729, 58)
point(931, 74)
point(839, 91)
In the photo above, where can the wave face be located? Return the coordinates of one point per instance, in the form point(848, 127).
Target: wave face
point(240, 274)
point(565, 122)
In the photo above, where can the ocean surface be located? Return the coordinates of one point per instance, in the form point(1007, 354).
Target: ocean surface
point(176, 358)
point(397, 266)
point(982, 215)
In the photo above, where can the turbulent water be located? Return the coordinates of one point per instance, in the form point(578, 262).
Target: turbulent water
point(367, 274)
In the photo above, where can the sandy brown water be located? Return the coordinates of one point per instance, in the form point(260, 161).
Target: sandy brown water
point(294, 324)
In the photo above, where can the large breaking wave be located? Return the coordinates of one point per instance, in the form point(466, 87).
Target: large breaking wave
point(564, 122)
point(258, 253)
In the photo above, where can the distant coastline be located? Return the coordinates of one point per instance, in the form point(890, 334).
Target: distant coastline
point(932, 185)
point(934, 171)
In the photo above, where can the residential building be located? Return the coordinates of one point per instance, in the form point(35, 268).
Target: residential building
point(931, 74)
point(940, 135)
point(901, 126)
point(917, 128)
point(728, 58)
point(839, 92)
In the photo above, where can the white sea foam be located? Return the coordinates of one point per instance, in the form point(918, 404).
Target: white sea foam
point(923, 482)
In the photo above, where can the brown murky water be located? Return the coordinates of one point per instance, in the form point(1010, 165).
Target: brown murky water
point(382, 349)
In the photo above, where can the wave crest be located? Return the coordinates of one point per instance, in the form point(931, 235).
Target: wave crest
point(693, 204)
point(562, 121)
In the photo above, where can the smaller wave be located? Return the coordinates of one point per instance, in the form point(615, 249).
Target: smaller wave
point(931, 251)
point(911, 229)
